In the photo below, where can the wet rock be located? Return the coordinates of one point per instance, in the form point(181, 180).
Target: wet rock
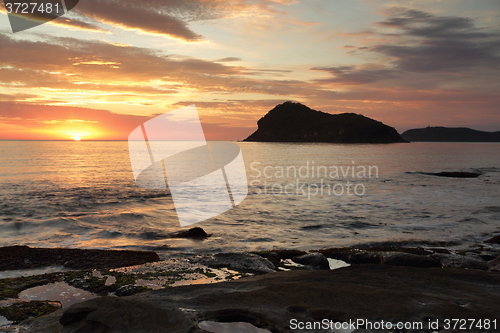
point(129, 289)
point(288, 254)
point(196, 233)
point(23, 310)
point(372, 255)
point(74, 314)
point(339, 253)
point(455, 174)
point(24, 257)
point(113, 314)
point(412, 250)
point(440, 250)
point(312, 227)
point(358, 258)
point(272, 257)
point(487, 257)
point(494, 265)
point(494, 240)
point(374, 292)
point(314, 260)
point(276, 256)
point(458, 261)
point(408, 259)
point(242, 262)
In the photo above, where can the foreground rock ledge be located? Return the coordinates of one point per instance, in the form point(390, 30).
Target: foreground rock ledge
point(24, 257)
point(375, 292)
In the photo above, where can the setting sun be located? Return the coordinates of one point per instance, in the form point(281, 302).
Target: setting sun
point(77, 138)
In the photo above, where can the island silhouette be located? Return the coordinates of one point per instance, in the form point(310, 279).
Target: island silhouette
point(295, 122)
point(449, 134)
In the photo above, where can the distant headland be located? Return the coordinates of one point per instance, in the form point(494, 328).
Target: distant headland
point(295, 122)
point(447, 134)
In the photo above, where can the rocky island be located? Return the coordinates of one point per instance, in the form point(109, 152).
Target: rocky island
point(295, 122)
point(447, 134)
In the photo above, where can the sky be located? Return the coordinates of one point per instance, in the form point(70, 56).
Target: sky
point(107, 66)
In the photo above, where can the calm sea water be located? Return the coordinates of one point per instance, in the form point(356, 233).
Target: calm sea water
point(82, 194)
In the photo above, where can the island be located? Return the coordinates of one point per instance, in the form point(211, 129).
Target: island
point(295, 122)
point(450, 134)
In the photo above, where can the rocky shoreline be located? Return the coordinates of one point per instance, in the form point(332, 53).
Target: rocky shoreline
point(266, 289)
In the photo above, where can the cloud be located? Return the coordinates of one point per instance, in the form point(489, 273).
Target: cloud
point(77, 24)
point(356, 75)
point(447, 43)
point(354, 47)
point(230, 119)
point(228, 59)
point(169, 18)
point(16, 97)
point(152, 18)
point(85, 65)
point(421, 46)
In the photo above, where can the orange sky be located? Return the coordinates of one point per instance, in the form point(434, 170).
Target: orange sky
point(106, 67)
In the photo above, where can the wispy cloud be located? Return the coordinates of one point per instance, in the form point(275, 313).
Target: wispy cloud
point(446, 43)
point(440, 47)
point(169, 18)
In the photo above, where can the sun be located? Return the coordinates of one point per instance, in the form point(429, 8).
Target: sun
point(77, 138)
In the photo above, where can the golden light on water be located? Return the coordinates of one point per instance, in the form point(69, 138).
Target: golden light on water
point(77, 138)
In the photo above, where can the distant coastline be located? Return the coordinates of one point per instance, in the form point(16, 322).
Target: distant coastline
point(449, 134)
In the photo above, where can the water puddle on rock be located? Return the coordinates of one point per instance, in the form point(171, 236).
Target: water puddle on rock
point(177, 272)
point(31, 272)
point(58, 291)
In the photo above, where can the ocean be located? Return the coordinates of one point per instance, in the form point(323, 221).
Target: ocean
point(301, 196)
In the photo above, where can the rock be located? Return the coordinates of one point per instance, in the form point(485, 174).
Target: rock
point(288, 254)
point(455, 174)
point(276, 256)
point(242, 262)
point(390, 255)
point(412, 250)
point(75, 314)
point(339, 253)
point(408, 259)
point(493, 240)
point(494, 265)
point(374, 292)
point(196, 232)
point(487, 257)
point(294, 122)
point(129, 289)
point(372, 255)
point(114, 314)
point(21, 309)
point(24, 257)
point(364, 258)
point(458, 261)
point(273, 257)
point(315, 260)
